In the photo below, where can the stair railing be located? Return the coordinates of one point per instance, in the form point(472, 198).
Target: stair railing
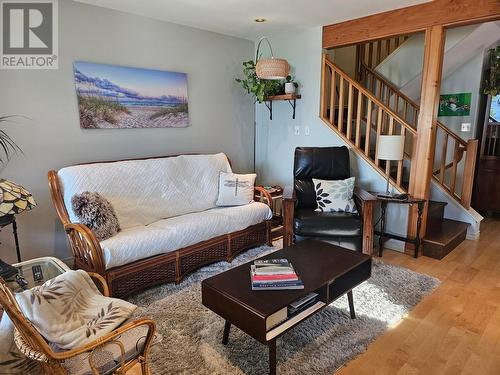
point(373, 53)
point(359, 117)
point(452, 172)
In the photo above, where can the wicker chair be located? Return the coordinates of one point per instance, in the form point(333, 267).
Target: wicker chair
point(83, 360)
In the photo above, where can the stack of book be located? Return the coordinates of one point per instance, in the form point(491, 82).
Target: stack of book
point(274, 274)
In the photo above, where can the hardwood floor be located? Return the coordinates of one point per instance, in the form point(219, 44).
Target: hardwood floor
point(455, 330)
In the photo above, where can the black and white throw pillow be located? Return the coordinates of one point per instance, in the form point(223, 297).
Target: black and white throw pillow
point(335, 195)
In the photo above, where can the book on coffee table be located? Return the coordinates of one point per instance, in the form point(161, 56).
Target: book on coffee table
point(274, 274)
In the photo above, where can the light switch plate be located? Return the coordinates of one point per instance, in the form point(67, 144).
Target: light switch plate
point(466, 126)
point(297, 130)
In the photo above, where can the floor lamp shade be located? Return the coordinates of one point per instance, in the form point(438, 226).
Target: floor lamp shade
point(390, 147)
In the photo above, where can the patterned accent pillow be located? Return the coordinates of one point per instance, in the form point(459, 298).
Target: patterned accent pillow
point(335, 195)
point(235, 189)
point(95, 211)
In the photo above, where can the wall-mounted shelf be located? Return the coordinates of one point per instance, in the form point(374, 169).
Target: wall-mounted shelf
point(291, 98)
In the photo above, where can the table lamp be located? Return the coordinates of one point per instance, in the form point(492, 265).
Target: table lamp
point(390, 147)
point(14, 199)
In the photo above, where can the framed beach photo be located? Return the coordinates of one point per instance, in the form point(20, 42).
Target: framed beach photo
point(117, 97)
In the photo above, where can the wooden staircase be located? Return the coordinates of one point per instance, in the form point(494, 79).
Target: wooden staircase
point(454, 160)
point(442, 235)
point(360, 111)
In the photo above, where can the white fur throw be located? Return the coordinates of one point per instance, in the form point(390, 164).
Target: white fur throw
point(95, 211)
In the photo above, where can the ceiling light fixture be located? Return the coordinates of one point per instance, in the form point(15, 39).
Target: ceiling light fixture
point(270, 68)
point(260, 20)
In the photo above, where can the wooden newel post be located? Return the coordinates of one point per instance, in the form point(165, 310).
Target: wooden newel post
point(423, 149)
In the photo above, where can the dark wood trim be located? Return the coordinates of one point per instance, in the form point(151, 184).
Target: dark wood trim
point(446, 13)
point(289, 200)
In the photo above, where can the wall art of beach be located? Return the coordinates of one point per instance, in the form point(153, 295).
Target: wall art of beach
point(111, 96)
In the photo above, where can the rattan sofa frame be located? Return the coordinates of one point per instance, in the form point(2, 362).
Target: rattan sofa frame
point(170, 267)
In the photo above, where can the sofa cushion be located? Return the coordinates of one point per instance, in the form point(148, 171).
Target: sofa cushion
point(174, 233)
point(145, 191)
point(308, 222)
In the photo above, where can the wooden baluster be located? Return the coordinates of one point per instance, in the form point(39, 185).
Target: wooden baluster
point(388, 91)
point(399, 175)
point(469, 169)
point(358, 119)
point(415, 117)
point(443, 159)
point(349, 111)
point(368, 126)
point(379, 51)
point(405, 114)
point(340, 120)
point(396, 104)
point(379, 90)
point(453, 182)
point(332, 98)
point(389, 132)
point(397, 42)
point(387, 47)
point(370, 55)
point(379, 131)
point(322, 109)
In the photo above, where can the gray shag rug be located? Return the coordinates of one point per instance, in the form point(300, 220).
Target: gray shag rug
point(192, 334)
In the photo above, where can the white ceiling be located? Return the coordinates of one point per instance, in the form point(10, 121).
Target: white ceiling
point(236, 17)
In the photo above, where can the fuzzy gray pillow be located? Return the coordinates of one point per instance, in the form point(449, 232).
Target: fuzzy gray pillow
point(95, 211)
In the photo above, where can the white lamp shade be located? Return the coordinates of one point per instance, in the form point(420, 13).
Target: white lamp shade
point(390, 147)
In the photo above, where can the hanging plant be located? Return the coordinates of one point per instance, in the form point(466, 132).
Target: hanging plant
point(259, 88)
point(492, 82)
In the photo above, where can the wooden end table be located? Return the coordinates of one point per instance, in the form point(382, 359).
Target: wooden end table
point(328, 270)
point(384, 235)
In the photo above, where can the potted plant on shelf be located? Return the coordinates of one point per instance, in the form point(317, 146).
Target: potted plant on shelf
point(290, 85)
point(260, 88)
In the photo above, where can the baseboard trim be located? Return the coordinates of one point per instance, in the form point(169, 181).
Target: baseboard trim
point(473, 236)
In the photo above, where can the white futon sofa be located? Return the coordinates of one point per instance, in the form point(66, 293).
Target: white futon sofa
point(169, 222)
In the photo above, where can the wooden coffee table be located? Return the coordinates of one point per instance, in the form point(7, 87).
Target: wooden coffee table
point(328, 270)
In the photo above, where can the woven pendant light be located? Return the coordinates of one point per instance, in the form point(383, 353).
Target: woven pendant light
point(270, 68)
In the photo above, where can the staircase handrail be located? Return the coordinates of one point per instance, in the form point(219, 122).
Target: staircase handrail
point(412, 103)
point(371, 96)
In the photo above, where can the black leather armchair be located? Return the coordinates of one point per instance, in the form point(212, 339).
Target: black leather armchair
point(300, 218)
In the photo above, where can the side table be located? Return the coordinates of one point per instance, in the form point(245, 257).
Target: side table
point(37, 271)
point(384, 235)
point(276, 193)
point(8, 220)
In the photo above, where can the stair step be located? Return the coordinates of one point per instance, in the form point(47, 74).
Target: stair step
point(435, 214)
point(442, 238)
